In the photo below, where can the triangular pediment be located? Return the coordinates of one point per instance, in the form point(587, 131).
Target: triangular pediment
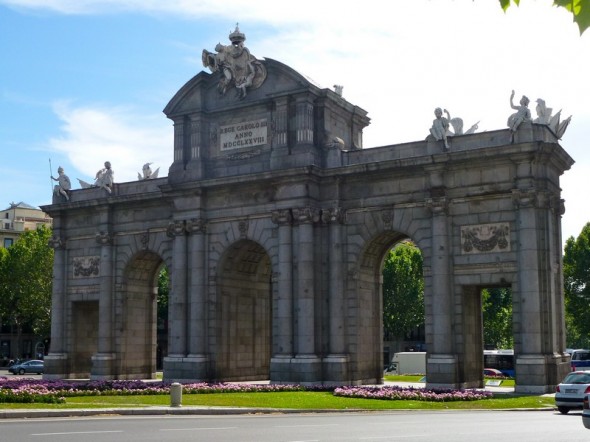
point(201, 93)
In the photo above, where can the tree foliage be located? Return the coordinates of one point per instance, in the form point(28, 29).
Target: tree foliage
point(580, 10)
point(162, 298)
point(497, 318)
point(403, 290)
point(576, 275)
point(403, 299)
point(26, 270)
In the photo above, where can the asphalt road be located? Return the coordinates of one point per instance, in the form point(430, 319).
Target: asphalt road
point(407, 426)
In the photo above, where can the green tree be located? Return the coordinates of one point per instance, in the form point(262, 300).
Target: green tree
point(576, 275)
point(25, 284)
point(497, 318)
point(580, 10)
point(403, 290)
point(162, 299)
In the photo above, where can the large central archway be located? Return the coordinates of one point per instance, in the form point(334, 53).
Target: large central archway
point(244, 311)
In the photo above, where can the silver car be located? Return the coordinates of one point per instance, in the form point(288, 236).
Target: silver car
point(570, 393)
point(34, 366)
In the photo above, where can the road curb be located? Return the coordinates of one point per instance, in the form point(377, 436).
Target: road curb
point(204, 411)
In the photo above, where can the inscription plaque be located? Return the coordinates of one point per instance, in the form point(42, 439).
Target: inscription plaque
point(246, 134)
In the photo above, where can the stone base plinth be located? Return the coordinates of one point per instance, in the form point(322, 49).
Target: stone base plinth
point(186, 368)
point(539, 374)
point(336, 371)
point(56, 366)
point(442, 371)
point(103, 366)
point(302, 369)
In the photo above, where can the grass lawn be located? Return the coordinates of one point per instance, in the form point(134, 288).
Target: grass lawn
point(293, 400)
point(297, 400)
point(417, 378)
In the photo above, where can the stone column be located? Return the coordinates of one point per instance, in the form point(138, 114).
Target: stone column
point(336, 363)
point(195, 138)
point(177, 169)
point(335, 217)
point(102, 361)
point(307, 363)
point(532, 331)
point(528, 272)
point(442, 360)
point(177, 303)
point(280, 123)
point(304, 126)
point(283, 345)
point(179, 142)
point(305, 276)
point(197, 299)
point(558, 209)
point(195, 147)
point(55, 361)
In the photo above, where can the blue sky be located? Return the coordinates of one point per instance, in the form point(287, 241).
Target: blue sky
point(83, 81)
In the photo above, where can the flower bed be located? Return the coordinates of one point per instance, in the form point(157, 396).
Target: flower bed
point(42, 391)
point(32, 390)
point(413, 394)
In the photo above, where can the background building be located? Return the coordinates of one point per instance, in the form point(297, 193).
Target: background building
point(18, 218)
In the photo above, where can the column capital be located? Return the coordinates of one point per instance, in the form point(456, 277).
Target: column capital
point(282, 217)
point(104, 238)
point(196, 225)
point(306, 215)
point(334, 215)
point(57, 243)
point(523, 199)
point(176, 228)
point(438, 206)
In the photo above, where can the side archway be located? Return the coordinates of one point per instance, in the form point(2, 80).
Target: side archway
point(243, 313)
point(136, 344)
point(369, 293)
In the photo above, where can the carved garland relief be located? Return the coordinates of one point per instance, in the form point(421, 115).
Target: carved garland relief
point(86, 267)
point(485, 238)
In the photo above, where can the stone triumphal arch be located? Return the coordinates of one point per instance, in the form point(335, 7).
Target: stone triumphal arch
point(274, 222)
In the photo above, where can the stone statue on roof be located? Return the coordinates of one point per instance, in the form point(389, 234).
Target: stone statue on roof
point(104, 178)
point(238, 68)
point(544, 116)
point(522, 114)
point(63, 185)
point(148, 174)
point(440, 129)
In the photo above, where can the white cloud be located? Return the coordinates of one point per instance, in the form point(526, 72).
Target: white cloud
point(398, 60)
point(126, 137)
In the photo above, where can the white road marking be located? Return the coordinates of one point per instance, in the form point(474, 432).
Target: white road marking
point(75, 432)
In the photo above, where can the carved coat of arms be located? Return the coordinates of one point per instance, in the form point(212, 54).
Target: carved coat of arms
point(238, 68)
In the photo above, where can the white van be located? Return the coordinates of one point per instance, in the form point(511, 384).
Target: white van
point(408, 362)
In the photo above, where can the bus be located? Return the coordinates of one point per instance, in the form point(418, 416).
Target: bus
point(502, 360)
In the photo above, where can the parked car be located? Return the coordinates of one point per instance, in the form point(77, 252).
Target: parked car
point(586, 413)
point(33, 366)
point(570, 393)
